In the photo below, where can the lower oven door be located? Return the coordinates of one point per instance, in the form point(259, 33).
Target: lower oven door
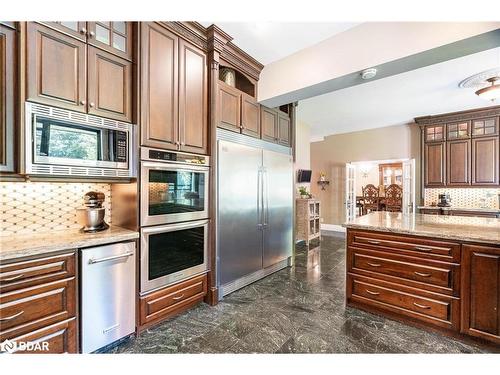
point(171, 193)
point(170, 253)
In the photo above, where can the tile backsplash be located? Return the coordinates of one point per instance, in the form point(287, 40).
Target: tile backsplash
point(34, 207)
point(464, 197)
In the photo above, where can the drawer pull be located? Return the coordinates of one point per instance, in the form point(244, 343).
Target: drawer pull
point(373, 242)
point(372, 293)
point(421, 248)
point(374, 264)
point(178, 297)
point(7, 279)
point(422, 274)
point(7, 318)
point(421, 306)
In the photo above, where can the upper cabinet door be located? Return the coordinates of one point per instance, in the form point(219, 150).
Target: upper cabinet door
point(112, 36)
point(229, 107)
point(56, 68)
point(485, 127)
point(485, 161)
point(435, 133)
point(159, 87)
point(434, 167)
point(269, 124)
point(8, 64)
point(193, 99)
point(77, 29)
point(458, 162)
point(109, 85)
point(250, 116)
point(284, 130)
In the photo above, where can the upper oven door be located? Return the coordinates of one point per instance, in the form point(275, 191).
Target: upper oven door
point(172, 193)
point(61, 142)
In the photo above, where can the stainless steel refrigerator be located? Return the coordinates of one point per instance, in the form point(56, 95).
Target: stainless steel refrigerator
point(255, 210)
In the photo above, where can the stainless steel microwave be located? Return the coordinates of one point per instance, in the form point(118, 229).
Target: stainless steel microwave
point(66, 143)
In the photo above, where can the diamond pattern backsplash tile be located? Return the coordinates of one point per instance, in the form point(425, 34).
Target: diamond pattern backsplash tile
point(28, 207)
point(463, 197)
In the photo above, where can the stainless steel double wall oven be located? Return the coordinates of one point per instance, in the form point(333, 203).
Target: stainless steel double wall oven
point(174, 217)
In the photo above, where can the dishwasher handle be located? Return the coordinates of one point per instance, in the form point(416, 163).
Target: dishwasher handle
point(99, 260)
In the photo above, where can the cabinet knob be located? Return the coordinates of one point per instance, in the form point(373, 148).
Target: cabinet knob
point(91, 104)
point(83, 30)
point(183, 143)
point(91, 34)
point(82, 102)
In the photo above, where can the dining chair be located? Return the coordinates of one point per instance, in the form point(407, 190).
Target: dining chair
point(370, 198)
point(393, 198)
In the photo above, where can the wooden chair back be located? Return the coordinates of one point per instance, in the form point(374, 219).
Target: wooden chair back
point(393, 198)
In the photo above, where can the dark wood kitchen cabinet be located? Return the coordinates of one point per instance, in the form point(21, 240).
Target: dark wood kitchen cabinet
point(434, 164)
point(284, 129)
point(458, 162)
point(56, 68)
point(174, 91)
point(112, 36)
point(64, 71)
point(269, 123)
point(109, 85)
point(250, 116)
point(229, 107)
point(485, 161)
point(8, 92)
point(481, 292)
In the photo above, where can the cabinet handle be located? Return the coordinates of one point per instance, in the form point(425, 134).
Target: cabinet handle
point(178, 297)
point(83, 30)
point(7, 279)
point(420, 248)
point(374, 264)
point(91, 104)
point(372, 293)
point(82, 102)
point(374, 242)
point(421, 306)
point(7, 318)
point(422, 274)
point(91, 34)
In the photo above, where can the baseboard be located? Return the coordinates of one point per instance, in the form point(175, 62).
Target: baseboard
point(332, 228)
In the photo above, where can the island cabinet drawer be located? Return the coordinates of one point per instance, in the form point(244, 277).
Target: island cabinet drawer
point(414, 246)
point(173, 299)
point(441, 277)
point(28, 273)
point(401, 300)
point(29, 309)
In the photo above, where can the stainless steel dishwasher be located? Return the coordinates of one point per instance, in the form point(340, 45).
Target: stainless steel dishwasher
point(107, 307)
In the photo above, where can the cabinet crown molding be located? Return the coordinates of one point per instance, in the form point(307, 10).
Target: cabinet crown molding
point(458, 116)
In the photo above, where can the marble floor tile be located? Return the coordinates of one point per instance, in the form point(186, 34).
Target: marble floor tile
point(300, 309)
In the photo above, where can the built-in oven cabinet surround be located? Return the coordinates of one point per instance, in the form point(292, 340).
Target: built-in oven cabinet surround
point(173, 252)
point(62, 142)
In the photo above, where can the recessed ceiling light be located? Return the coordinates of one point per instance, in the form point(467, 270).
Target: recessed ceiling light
point(368, 73)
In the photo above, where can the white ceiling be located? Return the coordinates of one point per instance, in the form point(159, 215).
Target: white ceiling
point(271, 41)
point(399, 98)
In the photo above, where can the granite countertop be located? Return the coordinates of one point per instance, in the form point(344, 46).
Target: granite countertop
point(462, 228)
point(26, 245)
point(451, 208)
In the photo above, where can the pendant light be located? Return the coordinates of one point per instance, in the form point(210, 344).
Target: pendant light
point(490, 92)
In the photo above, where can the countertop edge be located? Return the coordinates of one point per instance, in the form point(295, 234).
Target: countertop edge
point(32, 252)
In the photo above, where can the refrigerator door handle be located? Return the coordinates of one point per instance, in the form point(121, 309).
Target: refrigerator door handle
point(265, 198)
point(259, 198)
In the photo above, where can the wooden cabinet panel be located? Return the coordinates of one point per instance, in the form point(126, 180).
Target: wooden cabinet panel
point(269, 124)
point(77, 29)
point(109, 85)
point(112, 36)
point(485, 161)
point(32, 308)
point(458, 162)
point(28, 273)
point(229, 107)
point(435, 133)
point(284, 130)
point(171, 300)
point(56, 68)
point(481, 292)
point(193, 99)
point(250, 116)
point(434, 168)
point(59, 338)
point(159, 87)
point(8, 75)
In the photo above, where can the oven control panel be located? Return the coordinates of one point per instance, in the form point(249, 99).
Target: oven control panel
point(176, 157)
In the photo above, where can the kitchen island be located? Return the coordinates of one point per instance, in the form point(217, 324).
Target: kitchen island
point(433, 271)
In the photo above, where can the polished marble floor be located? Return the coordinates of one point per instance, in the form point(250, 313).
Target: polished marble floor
point(296, 310)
